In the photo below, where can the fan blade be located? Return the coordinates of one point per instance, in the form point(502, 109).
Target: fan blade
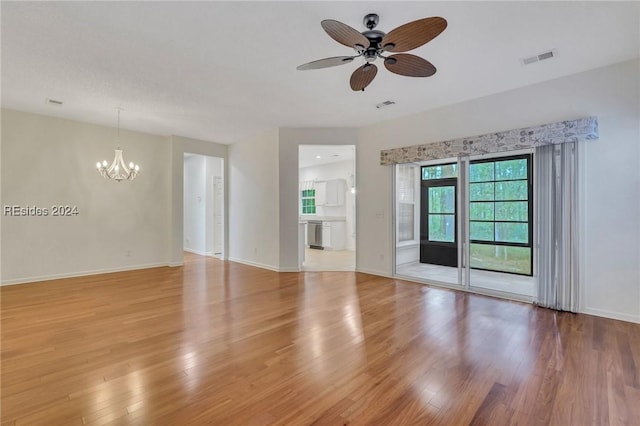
point(344, 34)
point(409, 65)
point(363, 76)
point(414, 34)
point(325, 63)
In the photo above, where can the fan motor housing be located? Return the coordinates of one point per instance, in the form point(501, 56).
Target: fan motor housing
point(374, 37)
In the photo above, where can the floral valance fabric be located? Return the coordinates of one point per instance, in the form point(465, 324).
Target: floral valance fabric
point(581, 129)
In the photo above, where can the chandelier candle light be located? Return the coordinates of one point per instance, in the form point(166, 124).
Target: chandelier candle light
point(118, 169)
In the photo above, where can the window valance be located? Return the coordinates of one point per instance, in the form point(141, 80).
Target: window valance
point(581, 129)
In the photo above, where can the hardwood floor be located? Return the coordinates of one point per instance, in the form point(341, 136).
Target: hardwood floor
point(224, 343)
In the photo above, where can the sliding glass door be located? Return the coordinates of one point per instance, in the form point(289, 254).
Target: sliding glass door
point(475, 217)
point(501, 224)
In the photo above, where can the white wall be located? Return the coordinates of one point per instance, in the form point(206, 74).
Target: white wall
point(253, 201)
point(338, 170)
point(49, 161)
point(214, 169)
point(611, 238)
point(195, 202)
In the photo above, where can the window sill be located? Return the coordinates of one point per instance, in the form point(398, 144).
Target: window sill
point(405, 244)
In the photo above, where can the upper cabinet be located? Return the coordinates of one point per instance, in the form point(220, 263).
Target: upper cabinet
point(331, 192)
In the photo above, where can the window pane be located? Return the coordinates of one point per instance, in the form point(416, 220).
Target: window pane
point(481, 211)
point(517, 211)
point(442, 228)
point(481, 172)
point(405, 222)
point(512, 232)
point(481, 231)
point(442, 199)
point(513, 190)
point(501, 258)
point(406, 182)
point(440, 172)
point(481, 191)
point(511, 169)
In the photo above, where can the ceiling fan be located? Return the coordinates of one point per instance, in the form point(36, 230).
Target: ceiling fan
point(372, 43)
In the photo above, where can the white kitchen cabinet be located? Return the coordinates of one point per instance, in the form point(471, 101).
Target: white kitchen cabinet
point(331, 192)
point(333, 235)
point(326, 235)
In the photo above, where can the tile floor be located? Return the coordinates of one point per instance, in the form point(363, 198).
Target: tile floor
point(329, 260)
point(488, 280)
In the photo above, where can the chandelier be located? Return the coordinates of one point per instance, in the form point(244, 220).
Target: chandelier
point(118, 169)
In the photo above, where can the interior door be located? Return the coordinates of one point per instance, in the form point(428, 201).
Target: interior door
point(438, 224)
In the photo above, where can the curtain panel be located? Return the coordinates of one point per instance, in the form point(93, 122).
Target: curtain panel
point(557, 197)
point(580, 129)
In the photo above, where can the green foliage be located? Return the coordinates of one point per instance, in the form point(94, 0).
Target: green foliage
point(483, 231)
point(442, 228)
point(442, 199)
point(481, 172)
point(515, 211)
point(442, 171)
point(501, 258)
point(482, 191)
point(308, 201)
point(481, 211)
point(512, 190)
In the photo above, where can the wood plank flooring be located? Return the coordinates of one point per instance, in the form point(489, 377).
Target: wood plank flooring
point(222, 343)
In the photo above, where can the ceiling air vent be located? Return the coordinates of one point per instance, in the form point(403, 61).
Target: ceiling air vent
point(384, 104)
point(539, 57)
point(54, 102)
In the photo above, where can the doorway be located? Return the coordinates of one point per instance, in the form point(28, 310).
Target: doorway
point(203, 205)
point(438, 218)
point(326, 207)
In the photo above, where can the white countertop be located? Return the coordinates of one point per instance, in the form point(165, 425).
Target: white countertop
point(305, 219)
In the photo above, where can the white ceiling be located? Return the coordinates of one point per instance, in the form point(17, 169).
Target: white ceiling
point(315, 155)
point(221, 71)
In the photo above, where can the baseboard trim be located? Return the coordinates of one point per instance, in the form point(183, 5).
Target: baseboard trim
point(198, 252)
point(612, 315)
point(289, 269)
point(255, 264)
point(374, 272)
point(27, 280)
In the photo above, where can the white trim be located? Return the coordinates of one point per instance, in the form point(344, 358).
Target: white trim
point(373, 272)
point(175, 264)
point(290, 269)
point(612, 315)
point(83, 273)
point(254, 264)
point(198, 252)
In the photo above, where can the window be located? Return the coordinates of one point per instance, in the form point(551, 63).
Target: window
point(500, 214)
point(406, 195)
point(308, 201)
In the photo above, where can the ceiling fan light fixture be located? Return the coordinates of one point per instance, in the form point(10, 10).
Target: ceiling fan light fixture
point(371, 43)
